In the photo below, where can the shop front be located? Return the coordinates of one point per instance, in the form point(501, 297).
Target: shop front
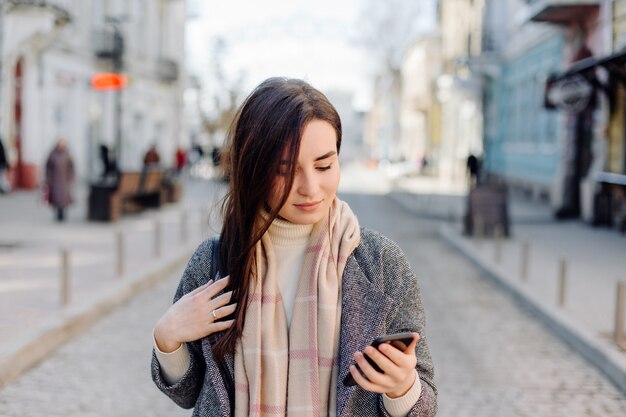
point(579, 91)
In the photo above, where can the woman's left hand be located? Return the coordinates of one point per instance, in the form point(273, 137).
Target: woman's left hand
point(397, 365)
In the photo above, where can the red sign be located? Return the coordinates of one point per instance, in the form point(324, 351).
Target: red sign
point(108, 81)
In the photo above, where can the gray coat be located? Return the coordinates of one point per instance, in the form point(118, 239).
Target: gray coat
point(380, 295)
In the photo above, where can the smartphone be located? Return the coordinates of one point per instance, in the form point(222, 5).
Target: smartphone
point(406, 338)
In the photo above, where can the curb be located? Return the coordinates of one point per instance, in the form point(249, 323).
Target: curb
point(24, 352)
point(601, 354)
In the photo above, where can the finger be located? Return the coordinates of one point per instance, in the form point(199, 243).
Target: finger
point(363, 382)
point(411, 347)
point(384, 363)
point(225, 311)
point(217, 287)
point(200, 288)
point(368, 370)
point(219, 326)
point(221, 301)
point(403, 359)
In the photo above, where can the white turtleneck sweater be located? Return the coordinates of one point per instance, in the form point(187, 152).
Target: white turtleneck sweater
point(290, 242)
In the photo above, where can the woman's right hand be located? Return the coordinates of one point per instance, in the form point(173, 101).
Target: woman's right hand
point(194, 316)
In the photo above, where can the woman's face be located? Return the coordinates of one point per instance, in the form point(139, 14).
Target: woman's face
point(316, 177)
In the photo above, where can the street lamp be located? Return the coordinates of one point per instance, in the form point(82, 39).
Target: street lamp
point(113, 49)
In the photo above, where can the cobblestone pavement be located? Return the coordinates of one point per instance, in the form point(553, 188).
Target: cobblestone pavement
point(492, 359)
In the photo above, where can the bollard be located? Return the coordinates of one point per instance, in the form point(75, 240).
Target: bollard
point(620, 313)
point(65, 277)
point(157, 238)
point(498, 233)
point(562, 281)
point(119, 244)
point(524, 262)
point(183, 226)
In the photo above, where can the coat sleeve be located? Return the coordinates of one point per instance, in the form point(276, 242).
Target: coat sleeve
point(402, 285)
point(186, 390)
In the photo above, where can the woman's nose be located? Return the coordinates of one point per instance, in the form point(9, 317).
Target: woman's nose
point(307, 184)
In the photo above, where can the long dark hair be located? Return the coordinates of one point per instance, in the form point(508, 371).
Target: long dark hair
point(268, 125)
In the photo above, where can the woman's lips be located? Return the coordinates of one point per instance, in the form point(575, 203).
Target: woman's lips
point(308, 206)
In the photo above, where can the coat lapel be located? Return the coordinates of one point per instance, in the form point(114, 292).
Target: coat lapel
point(363, 312)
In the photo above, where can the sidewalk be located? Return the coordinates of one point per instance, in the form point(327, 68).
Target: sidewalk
point(595, 262)
point(33, 318)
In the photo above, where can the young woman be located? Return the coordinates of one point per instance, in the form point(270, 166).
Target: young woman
point(270, 317)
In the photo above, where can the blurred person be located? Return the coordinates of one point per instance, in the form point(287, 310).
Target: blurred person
point(473, 169)
point(5, 186)
point(151, 158)
point(275, 312)
point(109, 164)
point(181, 159)
point(60, 178)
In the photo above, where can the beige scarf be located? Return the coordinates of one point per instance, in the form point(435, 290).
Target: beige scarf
point(292, 371)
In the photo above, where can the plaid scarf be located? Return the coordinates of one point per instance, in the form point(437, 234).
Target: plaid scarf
point(282, 370)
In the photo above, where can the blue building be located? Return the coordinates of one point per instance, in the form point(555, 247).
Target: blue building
point(521, 136)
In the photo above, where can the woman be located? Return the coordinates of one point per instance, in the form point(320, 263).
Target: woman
point(60, 178)
point(304, 289)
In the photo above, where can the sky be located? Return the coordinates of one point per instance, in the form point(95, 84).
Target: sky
point(318, 41)
point(313, 40)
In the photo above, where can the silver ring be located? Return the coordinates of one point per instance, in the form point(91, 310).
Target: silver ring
point(214, 316)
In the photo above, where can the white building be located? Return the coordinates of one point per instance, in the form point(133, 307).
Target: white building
point(50, 51)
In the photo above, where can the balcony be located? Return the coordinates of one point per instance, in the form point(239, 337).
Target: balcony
point(167, 70)
point(58, 8)
point(108, 44)
point(560, 12)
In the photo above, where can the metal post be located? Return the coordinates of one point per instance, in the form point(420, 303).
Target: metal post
point(120, 252)
point(498, 232)
point(562, 281)
point(183, 226)
point(524, 262)
point(65, 277)
point(620, 313)
point(157, 238)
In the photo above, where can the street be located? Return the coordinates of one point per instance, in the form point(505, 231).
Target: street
point(491, 357)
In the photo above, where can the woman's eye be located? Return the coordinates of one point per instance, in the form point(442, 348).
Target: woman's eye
point(325, 168)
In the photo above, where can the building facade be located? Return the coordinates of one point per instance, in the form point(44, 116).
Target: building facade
point(50, 52)
point(458, 90)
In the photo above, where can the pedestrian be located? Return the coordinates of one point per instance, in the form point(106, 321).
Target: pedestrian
point(181, 159)
point(5, 186)
point(473, 169)
point(59, 179)
point(151, 158)
point(109, 164)
point(271, 316)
